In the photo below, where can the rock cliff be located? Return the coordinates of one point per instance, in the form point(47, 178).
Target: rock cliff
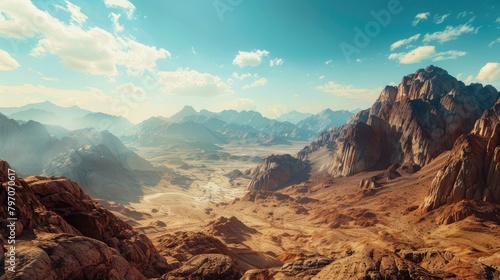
point(472, 171)
point(63, 234)
point(413, 123)
point(277, 171)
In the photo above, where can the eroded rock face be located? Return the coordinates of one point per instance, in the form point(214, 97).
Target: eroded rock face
point(374, 264)
point(205, 266)
point(472, 171)
point(66, 256)
point(413, 123)
point(58, 206)
point(277, 171)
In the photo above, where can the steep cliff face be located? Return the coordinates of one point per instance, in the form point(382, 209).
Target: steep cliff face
point(472, 171)
point(414, 122)
point(75, 237)
point(277, 171)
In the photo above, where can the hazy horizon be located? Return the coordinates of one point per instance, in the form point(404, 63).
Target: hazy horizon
point(139, 60)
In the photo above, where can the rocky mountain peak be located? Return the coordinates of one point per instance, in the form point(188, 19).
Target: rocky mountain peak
point(427, 84)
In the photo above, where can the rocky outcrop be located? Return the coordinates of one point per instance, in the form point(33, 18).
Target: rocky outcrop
point(60, 213)
point(374, 264)
point(207, 267)
point(413, 123)
point(472, 172)
point(276, 172)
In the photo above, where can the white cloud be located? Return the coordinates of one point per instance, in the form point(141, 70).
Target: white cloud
point(448, 55)
point(328, 62)
point(242, 76)
point(440, 19)
point(359, 60)
point(252, 59)
point(489, 73)
point(402, 42)
point(193, 83)
point(321, 77)
point(276, 62)
point(349, 91)
point(497, 41)
point(124, 4)
point(450, 33)
point(7, 63)
point(498, 20)
point(76, 15)
point(419, 17)
point(94, 50)
point(193, 50)
point(256, 83)
point(415, 55)
point(117, 27)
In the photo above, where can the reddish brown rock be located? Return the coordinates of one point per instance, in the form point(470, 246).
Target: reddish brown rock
point(59, 206)
point(205, 267)
point(276, 172)
point(472, 171)
point(413, 123)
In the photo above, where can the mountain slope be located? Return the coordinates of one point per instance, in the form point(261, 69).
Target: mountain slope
point(324, 120)
point(412, 123)
point(293, 117)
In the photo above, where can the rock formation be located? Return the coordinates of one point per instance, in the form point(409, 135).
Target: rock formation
point(277, 171)
point(413, 123)
point(472, 171)
point(63, 234)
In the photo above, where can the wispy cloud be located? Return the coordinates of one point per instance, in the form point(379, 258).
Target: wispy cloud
point(497, 41)
point(450, 33)
point(348, 91)
point(257, 83)
point(425, 52)
point(77, 17)
point(402, 42)
point(40, 74)
point(276, 62)
point(440, 19)
point(124, 4)
point(328, 62)
point(7, 63)
point(415, 55)
point(448, 55)
point(420, 17)
point(117, 27)
point(252, 59)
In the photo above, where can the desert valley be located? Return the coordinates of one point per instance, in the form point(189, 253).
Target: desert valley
point(249, 140)
point(407, 189)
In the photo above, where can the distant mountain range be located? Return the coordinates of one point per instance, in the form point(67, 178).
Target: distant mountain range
point(293, 117)
point(69, 118)
point(226, 126)
point(97, 160)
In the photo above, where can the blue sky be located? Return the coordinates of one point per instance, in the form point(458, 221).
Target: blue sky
point(148, 58)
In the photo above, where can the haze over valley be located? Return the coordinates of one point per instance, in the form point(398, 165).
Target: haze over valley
point(249, 140)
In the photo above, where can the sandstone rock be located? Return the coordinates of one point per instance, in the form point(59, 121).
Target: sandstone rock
point(472, 171)
point(373, 264)
point(65, 256)
point(277, 171)
point(206, 267)
point(59, 206)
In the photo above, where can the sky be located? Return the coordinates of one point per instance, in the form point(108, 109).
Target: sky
point(149, 58)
